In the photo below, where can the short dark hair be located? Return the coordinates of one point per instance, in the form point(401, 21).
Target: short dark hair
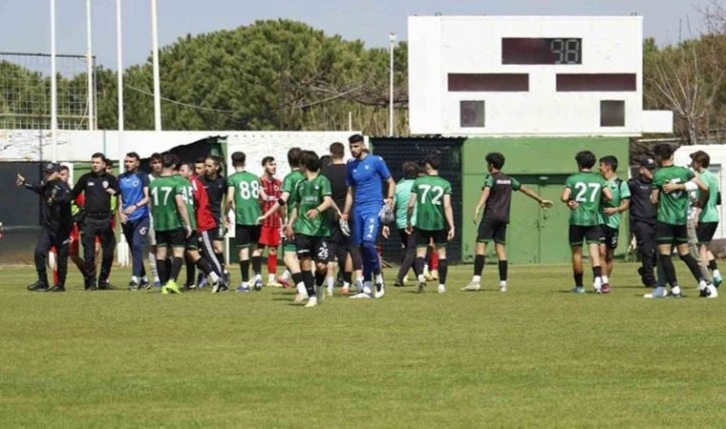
point(176, 160)
point(156, 156)
point(293, 157)
point(200, 160)
point(63, 168)
point(702, 158)
point(496, 159)
point(663, 151)
point(585, 159)
point(99, 155)
point(238, 159)
point(356, 138)
point(325, 160)
point(133, 155)
point(434, 160)
point(310, 160)
point(610, 161)
point(267, 159)
point(337, 150)
point(109, 163)
point(167, 160)
point(189, 164)
point(410, 170)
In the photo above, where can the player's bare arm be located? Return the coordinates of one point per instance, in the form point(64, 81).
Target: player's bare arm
point(623, 207)
point(289, 233)
point(449, 213)
point(391, 191)
point(181, 206)
point(607, 194)
point(482, 202)
point(531, 194)
point(325, 205)
point(275, 207)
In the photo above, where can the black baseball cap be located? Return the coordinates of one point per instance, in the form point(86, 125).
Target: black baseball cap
point(50, 168)
point(648, 163)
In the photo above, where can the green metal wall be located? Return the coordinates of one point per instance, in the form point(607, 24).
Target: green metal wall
point(535, 236)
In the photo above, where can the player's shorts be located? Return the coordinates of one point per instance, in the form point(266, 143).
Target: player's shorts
point(312, 247)
point(173, 238)
point(490, 229)
point(590, 234)
point(192, 242)
point(247, 235)
point(365, 226)
point(337, 240)
point(270, 236)
point(424, 237)
point(609, 236)
point(671, 234)
point(288, 245)
point(705, 232)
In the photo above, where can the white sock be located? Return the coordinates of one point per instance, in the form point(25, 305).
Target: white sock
point(270, 278)
point(702, 285)
point(421, 278)
point(502, 283)
point(331, 282)
point(476, 279)
point(360, 280)
point(604, 279)
point(598, 282)
point(379, 278)
point(286, 275)
point(301, 289)
point(152, 266)
point(258, 277)
point(716, 273)
point(426, 269)
point(346, 285)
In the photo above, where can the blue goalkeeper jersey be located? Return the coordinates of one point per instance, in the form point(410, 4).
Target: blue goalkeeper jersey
point(367, 176)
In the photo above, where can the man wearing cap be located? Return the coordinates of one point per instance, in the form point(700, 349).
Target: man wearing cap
point(57, 225)
point(643, 219)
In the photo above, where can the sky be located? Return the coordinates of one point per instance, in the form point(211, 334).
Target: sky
point(26, 23)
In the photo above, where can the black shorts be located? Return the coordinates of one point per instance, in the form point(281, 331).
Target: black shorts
point(425, 237)
point(492, 230)
point(671, 234)
point(706, 231)
point(247, 235)
point(312, 247)
point(192, 242)
point(609, 236)
point(591, 234)
point(172, 238)
point(337, 240)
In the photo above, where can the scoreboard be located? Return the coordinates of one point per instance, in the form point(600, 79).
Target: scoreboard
point(528, 76)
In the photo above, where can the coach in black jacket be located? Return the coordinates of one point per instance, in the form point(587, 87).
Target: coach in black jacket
point(57, 225)
point(643, 219)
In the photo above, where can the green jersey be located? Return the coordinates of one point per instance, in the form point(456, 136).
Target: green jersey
point(309, 194)
point(187, 193)
point(429, 192)
point(162, 192)
point(672, 207)
point(620, 191)
point(246, 197)
point(289, 185)
point(403, 193)
point(709, 213)
point(586, 189)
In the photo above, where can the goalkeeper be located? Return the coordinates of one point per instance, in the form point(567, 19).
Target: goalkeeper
point(364, 204)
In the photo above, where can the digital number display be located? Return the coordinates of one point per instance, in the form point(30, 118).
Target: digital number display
point(552, 51)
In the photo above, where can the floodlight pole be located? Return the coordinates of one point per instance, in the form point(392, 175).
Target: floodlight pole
point(392, 45)
point(53, 88)
point(89, 69)
point(155, 60)
point(120, 84)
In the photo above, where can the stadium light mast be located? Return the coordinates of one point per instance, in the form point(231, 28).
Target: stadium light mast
point(53, 88)
point(120, 84)
point(155, 60)
point(392, 45)
point(89, 68)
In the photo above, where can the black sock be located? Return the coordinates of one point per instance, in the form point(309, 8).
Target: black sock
point(578, 278)
point(712, 265)
point(220, 259)
point(191, 272)
point(309, 282)
point(204, 265)
point(669, 269)
point(419, 264)
point(297, 278)
point(443, 270)
point(596, 272)
point(257, 264)
point(503, 270)
point(692, 264)
point(348, 277)
point(244, 267)
point(176, 265)
point(479, 261)
point(319, 278)
point(162, 271)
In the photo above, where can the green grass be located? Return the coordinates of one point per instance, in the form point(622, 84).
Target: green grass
point(532, 357)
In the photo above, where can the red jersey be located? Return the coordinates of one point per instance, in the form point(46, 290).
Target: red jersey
point(273, 189)
point(202, 210)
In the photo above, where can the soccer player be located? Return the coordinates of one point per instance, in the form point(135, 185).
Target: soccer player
point(289, 184)
point(496, 199)
point(155, 164)
point(171, 222)
point(408, 240)
point(366, 173)
point(643, 220)
point(134, 198)
point(583, 194)
point(216, 187)
point(431, 197)
point(270, 235)
point(669, 184)
point(708, 217)
point(243, 196)
point(342, 252)
point(312, 226)
point(619, 203)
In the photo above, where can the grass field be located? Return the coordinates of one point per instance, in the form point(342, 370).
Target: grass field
point(532, 357)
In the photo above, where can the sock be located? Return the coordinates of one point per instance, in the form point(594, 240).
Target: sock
point(379, 278)
point(152, 267)
point(244, 267)
point(257, 265)
point(272, 265)
point(286, 275)
point(425, 268)
point(162, 273)
point(692, 264)
point(503, 270)
point(596, 272)
point(297, 278)
point(479, 261)
point(669, 270)
point(443, 270)
point(347, 277)
point(206, 268)
point(419, 263)
point(331, 282)
point(434, 265)
point(605, 279)
point(319, 278)
point(712, 265)
point(716, 273)
point(309, 282)
point(578, 278)
point(176, 265)
point(191, 272)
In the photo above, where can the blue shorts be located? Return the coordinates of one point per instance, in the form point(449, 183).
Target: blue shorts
point(365, 226)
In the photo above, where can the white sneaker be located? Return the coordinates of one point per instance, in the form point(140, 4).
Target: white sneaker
point(312, 302)
point(502, 286)
point(301, 296)
point(442, 288)
point(659, 292)
point(676, 292)
point(472, 287)
point(380, 293)
point(712, 291)
point(329, 292)
point(367, 290)
point(361, 295)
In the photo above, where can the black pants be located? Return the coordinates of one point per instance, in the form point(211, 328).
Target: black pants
point(91, 228)
point(645, 236)
point(408, 250)
point(61, 242)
